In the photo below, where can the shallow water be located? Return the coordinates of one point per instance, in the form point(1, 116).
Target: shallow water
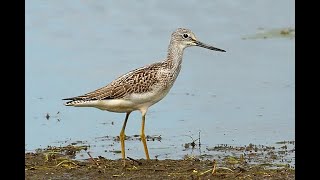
point(243, 96)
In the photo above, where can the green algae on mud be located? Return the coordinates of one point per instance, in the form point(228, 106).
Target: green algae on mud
point(229, 165)
point(281, 154)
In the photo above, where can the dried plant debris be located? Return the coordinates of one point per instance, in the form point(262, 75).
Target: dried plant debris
point(278, 155)
point(131, 138)
point(234, 162)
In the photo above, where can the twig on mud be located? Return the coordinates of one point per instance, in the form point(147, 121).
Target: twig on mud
point(214, 166)
point(93, 159)
point(66, 161)
point(205, 172)
point(117, 175)
point(225, 168)
point(139, 163)
point(133, 168)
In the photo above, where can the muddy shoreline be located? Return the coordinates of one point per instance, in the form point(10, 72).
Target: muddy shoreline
point(245, 162)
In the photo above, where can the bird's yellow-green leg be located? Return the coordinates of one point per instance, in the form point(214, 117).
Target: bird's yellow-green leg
point(122, 138)
point(142, 135)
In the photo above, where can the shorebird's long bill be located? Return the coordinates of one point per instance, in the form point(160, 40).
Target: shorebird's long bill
point(200, 44)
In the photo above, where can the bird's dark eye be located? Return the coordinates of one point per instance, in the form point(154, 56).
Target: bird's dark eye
point(185, 35)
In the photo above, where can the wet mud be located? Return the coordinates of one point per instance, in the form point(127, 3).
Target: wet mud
point(220, 162)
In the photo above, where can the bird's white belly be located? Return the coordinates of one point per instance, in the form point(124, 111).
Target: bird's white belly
point(132, 102)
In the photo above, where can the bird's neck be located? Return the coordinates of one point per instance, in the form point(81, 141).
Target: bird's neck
point(175, 54)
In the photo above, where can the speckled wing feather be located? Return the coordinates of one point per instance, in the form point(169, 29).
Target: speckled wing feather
point(137, 81)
